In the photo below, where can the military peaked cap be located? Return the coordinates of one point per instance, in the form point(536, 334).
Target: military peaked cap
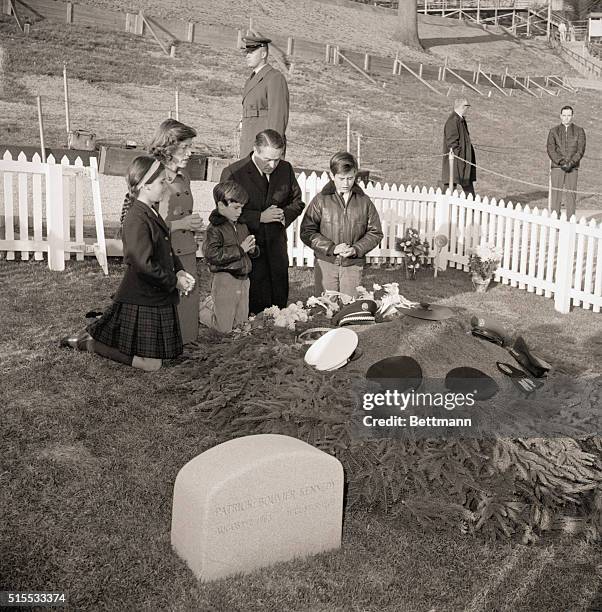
point(254, 42)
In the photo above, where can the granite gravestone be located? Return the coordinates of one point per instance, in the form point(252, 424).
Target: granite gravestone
point(256, 501)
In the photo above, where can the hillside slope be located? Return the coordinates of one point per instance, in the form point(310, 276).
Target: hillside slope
point(353, 28)
point(121, 87)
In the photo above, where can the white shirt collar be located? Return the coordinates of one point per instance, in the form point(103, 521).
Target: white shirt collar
point(261, 172)
point(258, 70)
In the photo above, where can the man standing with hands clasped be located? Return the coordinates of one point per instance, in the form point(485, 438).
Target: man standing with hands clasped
point(566, 146)
point(274, 203)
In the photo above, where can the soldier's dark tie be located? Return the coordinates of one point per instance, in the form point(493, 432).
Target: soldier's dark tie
point(266, 183)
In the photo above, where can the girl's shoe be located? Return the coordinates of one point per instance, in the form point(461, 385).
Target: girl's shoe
point(79, 342)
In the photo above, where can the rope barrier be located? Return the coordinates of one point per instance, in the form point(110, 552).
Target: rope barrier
point(425, 156)
point(590, 193)
point(364, 137)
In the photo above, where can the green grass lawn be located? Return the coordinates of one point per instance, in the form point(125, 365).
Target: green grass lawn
point(90, 450)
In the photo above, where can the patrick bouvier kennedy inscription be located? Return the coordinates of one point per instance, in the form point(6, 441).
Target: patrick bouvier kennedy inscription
point(255, 501)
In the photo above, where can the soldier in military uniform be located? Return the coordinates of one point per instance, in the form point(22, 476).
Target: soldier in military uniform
point(265, 99)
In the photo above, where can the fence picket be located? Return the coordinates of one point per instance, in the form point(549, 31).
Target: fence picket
point(430, 222)
point(598, 279)
point(578, 270)
point(508, 239)
point(79, 214)
point(461, 236)
point(36, 192)
point(473, 229)
point(79, 206)
point(532, 266)
point(524, 245)
point(542, 253)
point(100, 248)
point(589, 266)
point(9, 219)
point(492, 221)
point(565, 266)
point(423, 219)
point(453, 224)
point(515, 265)
point(23, 212)
point(54, 216)
point(66, 212)
point(552, 257)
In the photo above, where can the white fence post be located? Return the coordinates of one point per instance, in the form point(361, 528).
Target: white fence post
point(9, 220)
point(565, 260)
point(100, 248)
point(54, 215)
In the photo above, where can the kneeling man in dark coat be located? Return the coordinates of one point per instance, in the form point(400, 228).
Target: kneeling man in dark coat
point(457, 138)
point(274, 203)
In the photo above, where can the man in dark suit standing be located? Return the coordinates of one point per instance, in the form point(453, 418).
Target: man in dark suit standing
point(566, 146)
point(265, 98)
point(457, 138)
point(274, 203)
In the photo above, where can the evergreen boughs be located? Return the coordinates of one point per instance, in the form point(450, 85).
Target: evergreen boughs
point(498, 487)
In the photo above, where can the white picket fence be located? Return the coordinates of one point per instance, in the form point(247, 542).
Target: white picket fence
point(542, 253)
point(42, 210)
point(549, 256)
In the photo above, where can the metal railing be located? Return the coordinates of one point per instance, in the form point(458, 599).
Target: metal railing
point(456, 4)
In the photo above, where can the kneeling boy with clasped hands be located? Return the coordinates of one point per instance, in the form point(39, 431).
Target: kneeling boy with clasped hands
point(228, 248)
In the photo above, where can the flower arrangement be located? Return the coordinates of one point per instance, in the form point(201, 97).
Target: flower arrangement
point(328, 301)
point(287, 317)
point(484, 260)
point(415, 250)
point(387, 297)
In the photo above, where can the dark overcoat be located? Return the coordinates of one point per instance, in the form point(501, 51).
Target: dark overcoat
point(457, 138)
point(269, 275)
point(150, 277)
point(265, 105)
point(566, 144)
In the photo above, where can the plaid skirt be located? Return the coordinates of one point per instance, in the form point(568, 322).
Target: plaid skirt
point(145, 331)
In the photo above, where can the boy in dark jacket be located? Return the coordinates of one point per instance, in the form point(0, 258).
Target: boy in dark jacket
point(341, 225)
point(227, 248)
